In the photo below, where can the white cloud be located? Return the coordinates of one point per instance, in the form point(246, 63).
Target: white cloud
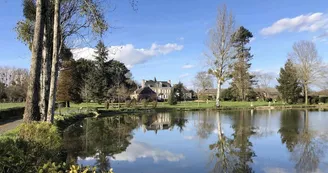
point(309, 22)
point(138, 150)
point(188, 66)
point(184, 75)
point(128, 54)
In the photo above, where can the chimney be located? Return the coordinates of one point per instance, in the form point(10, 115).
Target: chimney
point(169, 81)
point(143, 83)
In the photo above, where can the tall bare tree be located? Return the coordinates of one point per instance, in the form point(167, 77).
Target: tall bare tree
point(32, 97)
point(219, 44)
point(263, 83)
point(310, 67)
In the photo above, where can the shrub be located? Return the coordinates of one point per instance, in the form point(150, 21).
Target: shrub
point(107, 104)
point(300, 100)
point(134, 102)
point(43, 133)
point(323, 99)
point(128, 103)
point(144, 102)
point(11, 113)
point(154, 103)
point(172, 100)
point(34, 145)
point(314, 100)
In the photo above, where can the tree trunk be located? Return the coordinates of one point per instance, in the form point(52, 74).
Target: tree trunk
point(46, 65)
point(32, 112)
point(306, 93)
point(218, 91)
point(54, 65)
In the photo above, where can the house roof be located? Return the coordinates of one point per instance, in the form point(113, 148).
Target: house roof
point(145, 90)
point(152, 83)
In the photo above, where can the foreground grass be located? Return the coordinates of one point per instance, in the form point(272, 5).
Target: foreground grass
point(11, 105)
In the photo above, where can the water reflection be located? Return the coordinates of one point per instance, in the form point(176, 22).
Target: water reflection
point(235, 153)
point(234, 141)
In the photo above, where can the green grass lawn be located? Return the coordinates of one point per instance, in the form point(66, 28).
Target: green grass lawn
point(10, 105)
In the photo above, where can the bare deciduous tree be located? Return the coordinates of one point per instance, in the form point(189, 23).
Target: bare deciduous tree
point(203, 80)
point(264, 81)
point(310, 68)
point(219, 44)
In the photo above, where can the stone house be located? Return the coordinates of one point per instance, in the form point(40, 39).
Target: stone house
point(161, 88)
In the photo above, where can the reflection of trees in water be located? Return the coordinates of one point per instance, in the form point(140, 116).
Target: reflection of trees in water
point(309, 148)
point(306, 145)
point(243, 130)
point(204, 125)
point(233, 154)
point(221, 151)
point(99, 138)
point(289, 124)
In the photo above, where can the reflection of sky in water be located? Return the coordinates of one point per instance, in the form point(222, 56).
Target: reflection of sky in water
point(173, 151)
point(138, 150)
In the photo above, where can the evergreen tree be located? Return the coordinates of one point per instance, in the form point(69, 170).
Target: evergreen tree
point(68, 83)
point(97, 80)
point(172, 100)
point(179, 91)
point(289, 86)
point(242, 80)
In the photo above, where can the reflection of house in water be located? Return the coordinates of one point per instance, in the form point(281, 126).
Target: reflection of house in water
point(160, 121)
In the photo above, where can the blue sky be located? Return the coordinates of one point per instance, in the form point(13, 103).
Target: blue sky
point(164, 36)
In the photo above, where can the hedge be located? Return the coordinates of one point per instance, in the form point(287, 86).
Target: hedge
point(11, 114)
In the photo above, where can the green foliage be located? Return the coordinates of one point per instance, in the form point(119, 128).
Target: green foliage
point(43, 133)
point(172, 100)
point(33, 145)
point(179, 90)
point(323, 99)
point(68, 84)
point(242, 80)
point(289, 86)
point(144, 102)
point(128, 103)
point(314, 100)
point(11, 113)
point(227, 94)
point(154, 103)
point(134, 102)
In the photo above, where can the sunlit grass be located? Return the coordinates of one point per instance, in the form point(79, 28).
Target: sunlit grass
point(11, 105)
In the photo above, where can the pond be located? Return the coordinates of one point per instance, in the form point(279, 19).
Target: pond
point(206, 141)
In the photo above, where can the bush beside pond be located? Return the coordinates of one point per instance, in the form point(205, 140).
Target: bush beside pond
point(30, 147)
point(11, 113)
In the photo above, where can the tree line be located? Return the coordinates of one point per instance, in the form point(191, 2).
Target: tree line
point(228, 59)
point(47, 29)
point(98, 81)
point(13, 84)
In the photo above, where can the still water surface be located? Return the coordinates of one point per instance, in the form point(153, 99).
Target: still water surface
point(207, 141)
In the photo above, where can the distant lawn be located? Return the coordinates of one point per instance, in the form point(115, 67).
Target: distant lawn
point(11, 105)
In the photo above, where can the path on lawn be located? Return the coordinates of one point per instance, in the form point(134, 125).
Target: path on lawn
point(9, 126)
